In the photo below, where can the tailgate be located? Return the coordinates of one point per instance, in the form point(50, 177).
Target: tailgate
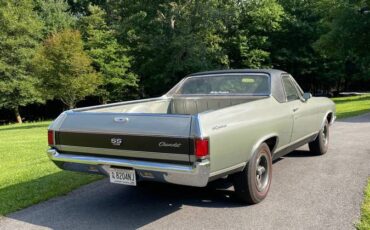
point(141, 136)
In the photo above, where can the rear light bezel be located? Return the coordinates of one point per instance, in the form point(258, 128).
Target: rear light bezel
point(51, 137)
point(198, 152)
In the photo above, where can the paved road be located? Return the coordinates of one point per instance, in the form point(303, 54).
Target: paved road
point(308, 192)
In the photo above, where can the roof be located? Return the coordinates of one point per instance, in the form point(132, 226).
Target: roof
point(271, 72)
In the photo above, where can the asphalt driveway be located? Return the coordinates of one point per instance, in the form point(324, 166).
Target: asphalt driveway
point(307, 192)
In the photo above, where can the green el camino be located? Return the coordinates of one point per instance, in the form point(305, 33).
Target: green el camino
point(220, 124)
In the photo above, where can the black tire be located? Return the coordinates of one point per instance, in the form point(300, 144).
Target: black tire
point(320, 145)
point(248, 188)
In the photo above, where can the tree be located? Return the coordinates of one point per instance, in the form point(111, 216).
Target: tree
point(248, 36)
point(182, 37)
point(55, 15)
point(108, 57)
point(20, 31)
point(81, 7)
point(346, 39)
point(292, 48)
point(170, 39)
point(65, 69)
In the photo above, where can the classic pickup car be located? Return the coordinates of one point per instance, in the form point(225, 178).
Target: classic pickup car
point(221, 124)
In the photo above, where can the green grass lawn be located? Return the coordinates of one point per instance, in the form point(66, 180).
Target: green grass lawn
point(352, 106)
point(27, 175)
point(364, 223)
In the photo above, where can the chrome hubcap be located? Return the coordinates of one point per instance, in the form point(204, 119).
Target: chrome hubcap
point(262, 173)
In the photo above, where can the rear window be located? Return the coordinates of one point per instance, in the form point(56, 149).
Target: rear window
point(245, 84)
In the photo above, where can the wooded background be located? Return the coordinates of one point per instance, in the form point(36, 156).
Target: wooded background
point(57, 54)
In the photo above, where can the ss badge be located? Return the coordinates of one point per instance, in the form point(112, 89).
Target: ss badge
point(116, 141)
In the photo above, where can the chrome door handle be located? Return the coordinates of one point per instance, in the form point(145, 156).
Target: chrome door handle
point(295, 109)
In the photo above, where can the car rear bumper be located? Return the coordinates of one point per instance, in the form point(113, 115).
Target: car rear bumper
point(192, 175)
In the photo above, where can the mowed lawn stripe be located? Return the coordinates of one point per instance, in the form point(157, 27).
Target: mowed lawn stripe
point(28, 176)
point(352, 106)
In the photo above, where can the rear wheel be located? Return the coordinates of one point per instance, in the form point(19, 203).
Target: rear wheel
point(253, 183)
point(320, 145)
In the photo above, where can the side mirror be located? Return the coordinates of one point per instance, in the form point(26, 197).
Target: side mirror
point(306, 96)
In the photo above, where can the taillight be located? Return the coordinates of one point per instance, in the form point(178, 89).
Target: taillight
point(50, 137)
point(201, 148)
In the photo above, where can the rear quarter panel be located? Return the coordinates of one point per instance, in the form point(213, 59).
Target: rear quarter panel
point(235, 132)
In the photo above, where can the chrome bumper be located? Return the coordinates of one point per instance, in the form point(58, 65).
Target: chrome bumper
point(193, 175)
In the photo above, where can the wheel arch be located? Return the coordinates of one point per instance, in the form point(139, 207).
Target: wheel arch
point(271, 140)
point(330, 117)
point(272, 143)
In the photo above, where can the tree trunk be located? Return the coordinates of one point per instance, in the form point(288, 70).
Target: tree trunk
point(18, 115)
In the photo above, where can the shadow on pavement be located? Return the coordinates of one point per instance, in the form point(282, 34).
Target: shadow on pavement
point(300, 153)
point(101, 205)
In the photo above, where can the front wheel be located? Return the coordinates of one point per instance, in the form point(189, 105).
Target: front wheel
point(253, 183)
point(320, 145)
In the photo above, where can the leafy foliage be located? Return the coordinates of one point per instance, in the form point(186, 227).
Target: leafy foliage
point(55, 15)
point(20, 29)
point(346, 40)
point(145, 47)
point(293, 49)
point(108, 57)
point(64, 68)
point(171, 39)
point(248, 42)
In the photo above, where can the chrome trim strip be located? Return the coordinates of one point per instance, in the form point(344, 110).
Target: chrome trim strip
point(295, 142)
point(193, 175)
point(241, 165)
point(124, 153)
point(219, 97)
point(119, 133)
point(132, 114)
point(118, 104)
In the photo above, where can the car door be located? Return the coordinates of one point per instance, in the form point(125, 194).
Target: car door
point(303, 116)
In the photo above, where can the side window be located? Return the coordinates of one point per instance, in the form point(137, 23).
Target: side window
point(300, 91)
point(290, 90)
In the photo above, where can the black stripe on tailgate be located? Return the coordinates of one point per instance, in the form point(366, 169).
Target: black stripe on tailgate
point(160, 144)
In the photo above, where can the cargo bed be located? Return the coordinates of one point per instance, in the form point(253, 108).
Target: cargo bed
point(159, 129)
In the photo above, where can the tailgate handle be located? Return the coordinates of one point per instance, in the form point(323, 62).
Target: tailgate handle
point(121, 119)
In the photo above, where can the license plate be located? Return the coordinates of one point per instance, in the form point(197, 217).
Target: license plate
point(122, 176)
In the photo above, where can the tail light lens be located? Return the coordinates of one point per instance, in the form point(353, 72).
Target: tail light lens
point(50, 137)
point(201, 148)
